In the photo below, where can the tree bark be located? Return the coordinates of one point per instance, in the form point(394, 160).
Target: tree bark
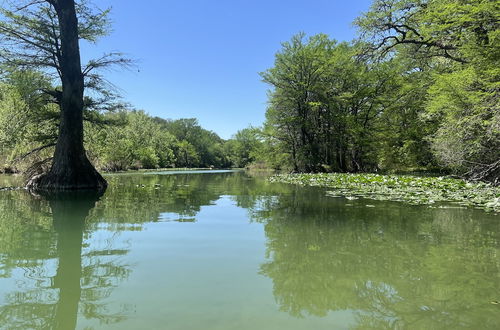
point(71, 169)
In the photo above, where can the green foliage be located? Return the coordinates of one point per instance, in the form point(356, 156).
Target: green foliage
point(457, 44)
point(28, 121)
point(420, 89)
point(30, 39)
point(453, 30)
point(412, 189)
point(402, 130)
point(245, 147)
point(197, 146)
point(136, 141)
point(295, 104)
point(115, 139)
point(332, 110)
point(468, 139)
point(187, 155)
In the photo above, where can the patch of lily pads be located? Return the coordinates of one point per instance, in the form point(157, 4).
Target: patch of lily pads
point(406, 188)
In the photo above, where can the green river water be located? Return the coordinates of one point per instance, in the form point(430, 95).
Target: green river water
point(224, 250)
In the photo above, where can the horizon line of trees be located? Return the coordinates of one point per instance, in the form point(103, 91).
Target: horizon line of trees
point(116, 140)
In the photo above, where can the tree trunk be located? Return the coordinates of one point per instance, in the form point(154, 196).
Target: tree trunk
point(71, 169)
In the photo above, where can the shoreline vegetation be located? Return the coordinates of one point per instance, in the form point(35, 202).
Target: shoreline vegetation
point(144, 170)
point(416, 190)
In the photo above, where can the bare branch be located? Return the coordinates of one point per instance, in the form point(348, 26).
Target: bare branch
point(24, 38)
point(29, 4)
point(106, 60)
point(24, 156)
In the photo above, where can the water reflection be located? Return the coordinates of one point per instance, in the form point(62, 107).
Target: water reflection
point(69, 211)
point(39, 233)
point(66, 262)
point(394, 267)
point(138, 199)
point(63, 252)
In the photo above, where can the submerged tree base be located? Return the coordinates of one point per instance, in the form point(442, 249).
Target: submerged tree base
point(83, 177)
point(406, 188)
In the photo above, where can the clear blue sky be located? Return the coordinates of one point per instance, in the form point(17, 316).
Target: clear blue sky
point(201, 58)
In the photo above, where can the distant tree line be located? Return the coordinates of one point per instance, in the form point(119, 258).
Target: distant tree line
point(115, 140)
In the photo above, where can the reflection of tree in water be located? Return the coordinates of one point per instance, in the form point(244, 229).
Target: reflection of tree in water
point(395, 265)
point(64, 270)
point(36, 241)
point(136, 199)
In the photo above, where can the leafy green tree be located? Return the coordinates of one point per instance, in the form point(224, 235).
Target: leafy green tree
point(450, 29)
point(28, 122)
point(468, 138)
point(208, 146)
point(244, 147)
point(458, 43)
point(135, 141)
point(45, 35)
point(186, 154)
point(402, 130)
point(326, 105)
point(299, 68)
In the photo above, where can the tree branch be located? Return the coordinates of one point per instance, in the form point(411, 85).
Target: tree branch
point(24, 156)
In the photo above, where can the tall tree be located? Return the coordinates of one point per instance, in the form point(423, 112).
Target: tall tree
point(458, 42)
point(45, 35)
point(325, 105)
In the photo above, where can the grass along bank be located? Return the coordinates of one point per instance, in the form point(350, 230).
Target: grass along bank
point(412, 189)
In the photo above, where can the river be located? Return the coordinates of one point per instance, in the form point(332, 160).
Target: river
point(225, 250)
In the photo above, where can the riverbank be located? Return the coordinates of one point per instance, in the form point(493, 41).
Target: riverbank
point(407, 188)
point(15, 181)
point(171, 169)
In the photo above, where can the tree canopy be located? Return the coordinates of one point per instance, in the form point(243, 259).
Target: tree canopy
point(418, 90)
